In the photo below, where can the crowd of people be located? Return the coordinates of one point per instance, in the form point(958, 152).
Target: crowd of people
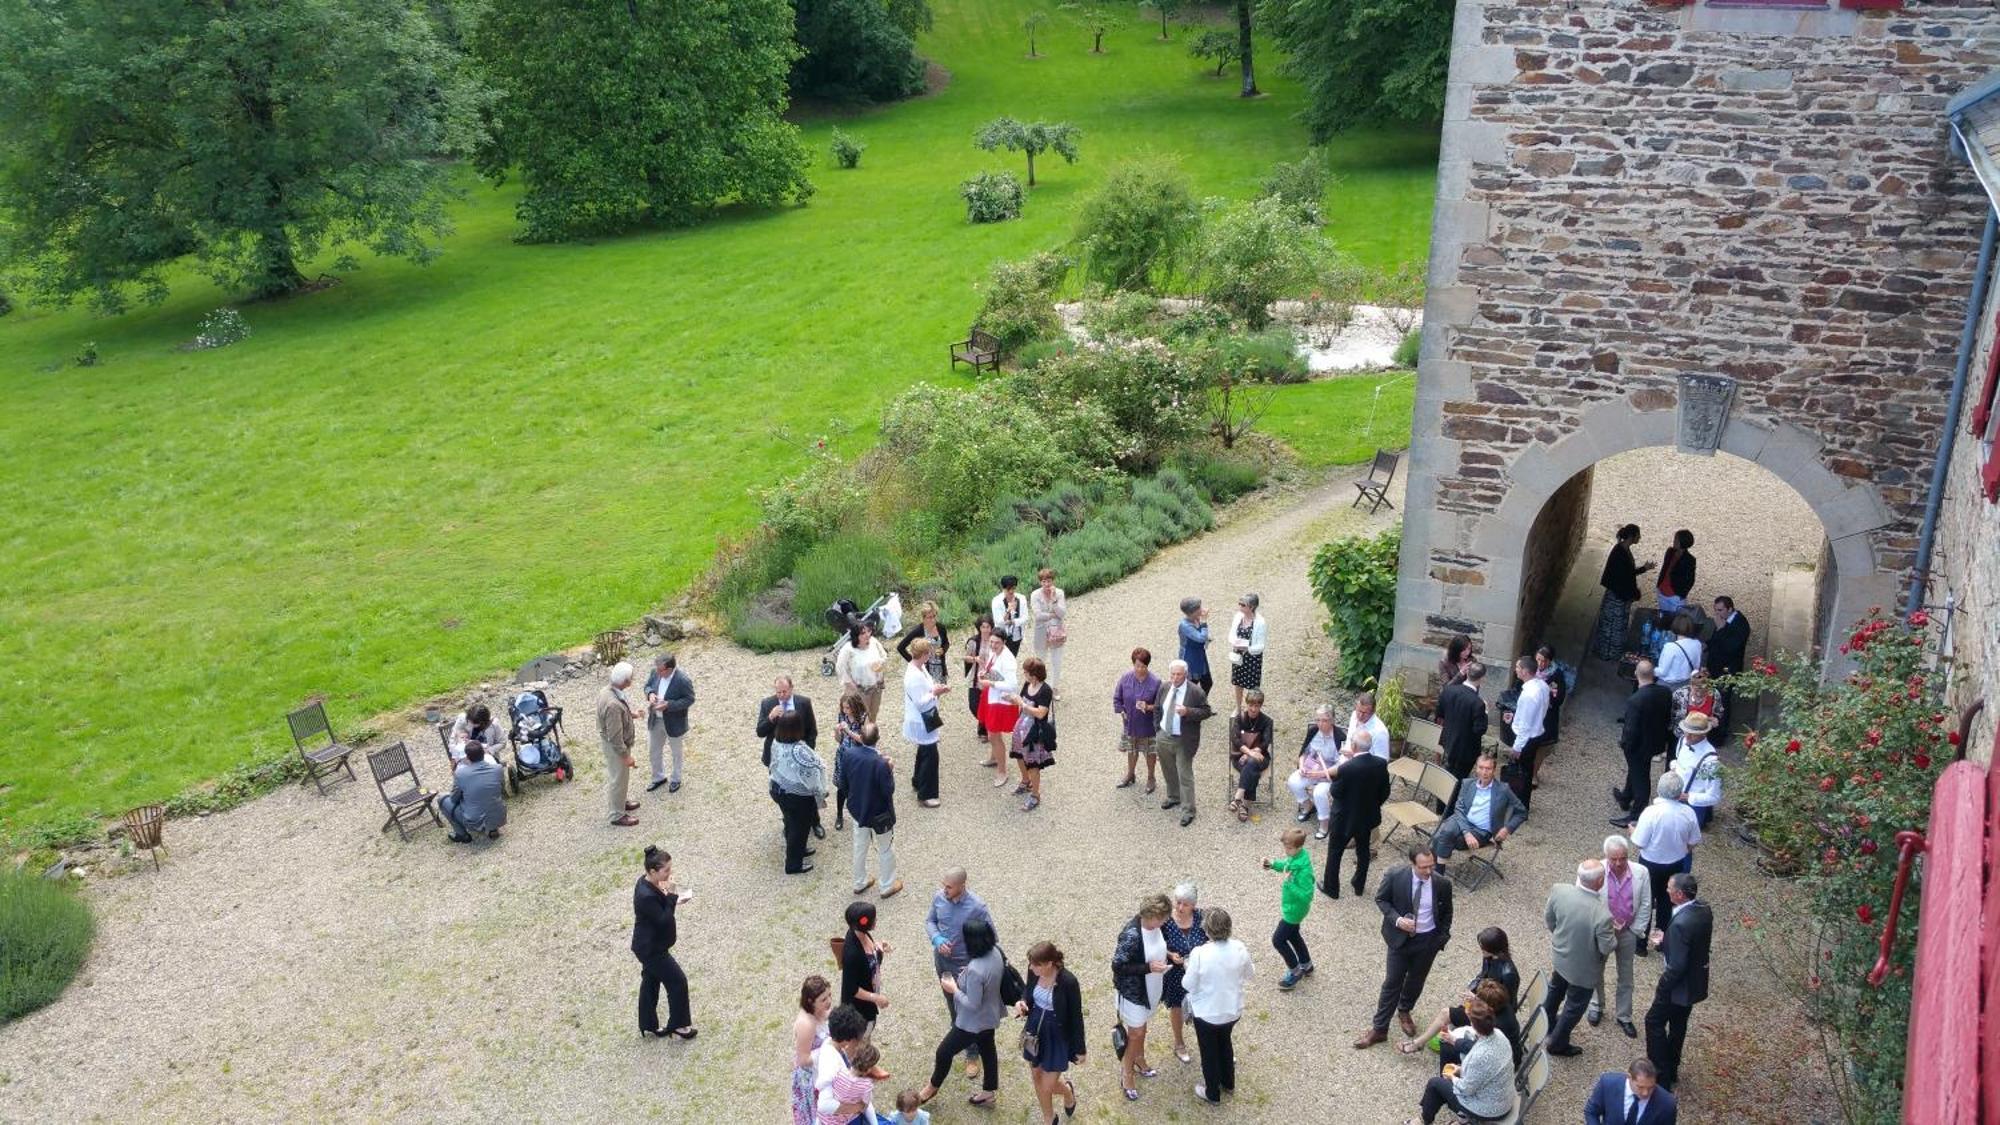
point(1634, 896)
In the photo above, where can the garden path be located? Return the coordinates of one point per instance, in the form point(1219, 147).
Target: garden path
point(291, 962)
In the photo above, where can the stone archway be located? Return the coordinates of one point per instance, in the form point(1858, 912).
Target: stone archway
point(1483, 597)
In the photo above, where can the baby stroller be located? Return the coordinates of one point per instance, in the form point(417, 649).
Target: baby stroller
point(537, 738)
point(884, 616)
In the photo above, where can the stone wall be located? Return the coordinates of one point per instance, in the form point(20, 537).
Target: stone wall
point(1628, 194)
point(1965, 570)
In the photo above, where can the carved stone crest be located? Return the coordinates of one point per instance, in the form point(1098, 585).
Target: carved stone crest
point(1704, 410)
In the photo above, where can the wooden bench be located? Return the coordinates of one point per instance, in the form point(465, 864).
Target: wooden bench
point(980, 348)
point(1373, 488)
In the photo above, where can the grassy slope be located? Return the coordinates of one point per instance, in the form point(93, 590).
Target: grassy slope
point(425, 474)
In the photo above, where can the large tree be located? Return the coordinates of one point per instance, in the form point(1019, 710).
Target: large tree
point(623, 112)
point(858, 50)
point(1244, 48)
point(250, 134)
point(1364, 60)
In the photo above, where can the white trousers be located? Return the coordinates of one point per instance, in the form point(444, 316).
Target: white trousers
point(885, 855)
point(1322, 793)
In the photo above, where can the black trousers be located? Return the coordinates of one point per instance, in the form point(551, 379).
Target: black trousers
point(1657, 874)
point(1206, 681)
point(1521, 774)
point(1218, 1056)
point(924, 774)
point(1291, 945)
point(1564, 1007)
point(957, 1040)
point(1336, 850)
point(1249, 772)
point(1438, 1094)
point(801, 813)
point(1638, 791)
point(1409, 967)
point(1666, 1034)
point(653, 972)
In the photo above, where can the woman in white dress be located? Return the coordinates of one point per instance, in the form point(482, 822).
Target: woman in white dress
point(1050, 611)
point(1139, 973)
point(923, 720)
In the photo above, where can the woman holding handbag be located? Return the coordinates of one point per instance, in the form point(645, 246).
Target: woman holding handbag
point(1050, 611)
point(922, 719)
point(970, 661)
point(1034, 731)
point(1053, 1039)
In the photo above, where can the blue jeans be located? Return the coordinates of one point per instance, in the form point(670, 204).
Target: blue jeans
point(448, 805)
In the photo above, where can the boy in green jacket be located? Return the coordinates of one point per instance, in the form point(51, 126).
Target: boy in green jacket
point(1297, 867)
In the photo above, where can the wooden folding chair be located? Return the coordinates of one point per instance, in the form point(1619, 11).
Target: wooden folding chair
point(407, 800)
point(1415, 814)
point(1374, 488)
point(322, 753)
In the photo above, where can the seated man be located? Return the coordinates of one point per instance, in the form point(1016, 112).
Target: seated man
point(1249, 751)
point(475, 803)
point(475, 724)
point(1486, 812)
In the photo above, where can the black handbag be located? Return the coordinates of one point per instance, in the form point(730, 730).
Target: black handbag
point(883, 823)
point(1119, 1040)
point(931, 719)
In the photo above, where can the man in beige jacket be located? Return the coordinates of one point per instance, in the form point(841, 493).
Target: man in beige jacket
point(615, 715)
point(1581, 935)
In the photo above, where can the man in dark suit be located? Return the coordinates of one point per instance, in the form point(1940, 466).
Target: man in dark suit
point(1461, 714)
point(1684, 980)
point(1183, 705)
point(1415, 901)
point(1725, 656)
point(669, 695)
point(1648, 720)
point(781, 700)
point(1631, 1098)
point(1360, 787)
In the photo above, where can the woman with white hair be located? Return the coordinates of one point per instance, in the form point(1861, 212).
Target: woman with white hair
point(615, 730)
point(1246, 648)
point(1319, 756)
point(1183, 931)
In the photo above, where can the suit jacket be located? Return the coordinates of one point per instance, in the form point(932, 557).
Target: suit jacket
point(871, 785)
point(1725, 649)
point(1642, 902)
point(766, 728)
point(1684, 980)
point(1649, 717)
point(1507, 810)
point(678, 695)
point(1462, 714)
point(653, 931)
point(1196, 701)
point(1396, 896)
point(1360, 786)
point(1607, 1103)
point(1579, 933)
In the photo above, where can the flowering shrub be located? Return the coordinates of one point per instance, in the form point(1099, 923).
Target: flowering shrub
point(991, 197)
point(221, 328)
point(1848, 765)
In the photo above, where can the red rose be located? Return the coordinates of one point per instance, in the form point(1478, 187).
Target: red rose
point(1920, 619)
point(1953, 738)
point(1770, 670)
point(1868, 847)
point(1861, 820)
point(1921, 761)
point(1750, 741)
point(1878, 775)
point(1843, 646)
point(1826, 785)
point(1865, 912)
point(1792, 747)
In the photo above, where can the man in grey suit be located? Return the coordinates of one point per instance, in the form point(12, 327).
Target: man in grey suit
point(669, 694)
point(1484, 812)
point(1581, 935)
point(1182, 707)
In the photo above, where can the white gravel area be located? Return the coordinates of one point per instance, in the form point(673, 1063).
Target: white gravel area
point(290, 962)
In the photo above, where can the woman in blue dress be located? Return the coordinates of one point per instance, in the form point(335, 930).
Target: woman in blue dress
point(1053, 1039)
point(1183, 932)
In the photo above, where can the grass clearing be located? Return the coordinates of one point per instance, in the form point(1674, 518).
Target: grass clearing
point(1343, 420)
point(424, 475)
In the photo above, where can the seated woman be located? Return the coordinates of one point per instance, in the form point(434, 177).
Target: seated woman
point(475, 723)
point(1249, 750)
point(1496, 965)
point(1481, 1087)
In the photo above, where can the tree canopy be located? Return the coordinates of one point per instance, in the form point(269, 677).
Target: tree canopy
point(1031, 138)
point(252, 136)
point(1364, 60)
point(636, 111)
point(862, 50)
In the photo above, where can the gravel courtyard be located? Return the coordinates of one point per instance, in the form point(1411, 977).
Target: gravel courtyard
point(290, 962)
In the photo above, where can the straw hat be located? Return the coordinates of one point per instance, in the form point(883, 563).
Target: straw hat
point(1696, 724)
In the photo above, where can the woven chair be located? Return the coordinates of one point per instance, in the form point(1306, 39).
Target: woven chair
point(322, 753)
point(405, 796)
point(611, 646)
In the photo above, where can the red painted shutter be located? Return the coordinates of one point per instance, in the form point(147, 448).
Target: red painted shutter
point(1943, 1081)
point(1989, 1035)
point(1982, 405)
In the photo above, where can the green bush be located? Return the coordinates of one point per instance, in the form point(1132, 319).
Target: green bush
point(1098, 554)
point(1301, 186)
point(1035, 353)
point(1198, 323)
point(1268, 356)
point(857, 50)
point(1406, 352)
point(1134, 230)
point(1123, 313)
point(1355, 579)
point(1146, 399)
point(845, 566)
point(968, 448)
point(1019, 299)
point(810, 504)
point(847, 149)
point(991, 197)
point(1252, 254)
point(45, 932)
point(1220, 479)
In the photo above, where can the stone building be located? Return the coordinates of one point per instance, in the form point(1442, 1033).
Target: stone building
point(1713, 226)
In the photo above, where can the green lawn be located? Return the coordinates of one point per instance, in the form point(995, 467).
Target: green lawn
point(1345, 420)
point(426, 474)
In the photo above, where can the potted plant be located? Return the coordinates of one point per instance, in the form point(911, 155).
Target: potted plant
point(1392, 705)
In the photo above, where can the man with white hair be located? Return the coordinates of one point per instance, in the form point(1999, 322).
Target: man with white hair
point(1666, 836)
point(615, 730)
point(1183, 706)
point(1628, 895)
point(1580, 935)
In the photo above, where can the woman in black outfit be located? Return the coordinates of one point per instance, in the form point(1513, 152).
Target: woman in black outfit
point(653, 934)
point(1053, 1008)
point(861, 963)
point(1676, 575)
point(1496, 967)
point(1621, 590)
point(930, 627)
point(969, 660)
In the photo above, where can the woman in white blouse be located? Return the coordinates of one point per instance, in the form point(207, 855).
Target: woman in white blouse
point(920, 698)
point(1050, 611)
point(1246, 648)
point(1000, 675)
point(1217, 972)
point(860, 665)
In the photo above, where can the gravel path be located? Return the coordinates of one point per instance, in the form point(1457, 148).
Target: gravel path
point(291, 962)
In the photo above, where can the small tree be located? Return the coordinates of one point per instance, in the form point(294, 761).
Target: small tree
point(1243, 48)
point(1254, 253)
point(847, 149)
point(991, 197)
point(1216, 45)
point(1235, 401)
point(1035, 22)
point(1033, 139)
point(1167, 9)
point(1301, 185)
point(1093, 18)
point(1136, 227)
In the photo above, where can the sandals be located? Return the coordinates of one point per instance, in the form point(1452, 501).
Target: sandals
point(1409, 1046)
point(1131, 1094)
point(1181, 1053)
point(982, 1098)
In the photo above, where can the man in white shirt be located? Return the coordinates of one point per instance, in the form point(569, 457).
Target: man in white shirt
point(1364, 718)
point(1666, 836)
point(1526, 722)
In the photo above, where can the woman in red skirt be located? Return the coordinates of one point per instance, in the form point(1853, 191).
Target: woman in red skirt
point(1000, 675)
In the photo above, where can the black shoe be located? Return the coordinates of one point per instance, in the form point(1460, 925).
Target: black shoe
point(673, 786)
point(1618, 797)
point(1170, 804)
point(1303, 814)
point(656, 785)
point(459, 838)
point(1330, 892)
point(840, 824)
point(803, 868)
point(1357, 887)
point(1187, 818)
point(1594, 1018)
point(654, 1033)
point(1626, 1027)
point(819, 831)
point(812, 851)
point(1621, 822)
point(1566, 1051)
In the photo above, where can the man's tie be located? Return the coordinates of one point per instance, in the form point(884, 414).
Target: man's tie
point(1631, 1110)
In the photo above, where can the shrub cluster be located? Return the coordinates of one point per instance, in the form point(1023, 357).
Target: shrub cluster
point(45, 932)
point(221, 328)
point(991, 197)
point(1019, 299)
point(1407, 350)
point(847, 149)
point(1134, 230)
point(1355, 579)
point(1301, 186)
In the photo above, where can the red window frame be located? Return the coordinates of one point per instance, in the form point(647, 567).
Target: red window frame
point(1982, 424)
